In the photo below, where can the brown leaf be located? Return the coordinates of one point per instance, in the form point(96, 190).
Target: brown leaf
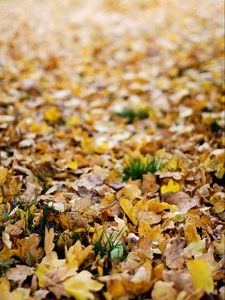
point(48, 241)
point(19, 273)
point(28, 251)
point(174, 253)
point(182, 200)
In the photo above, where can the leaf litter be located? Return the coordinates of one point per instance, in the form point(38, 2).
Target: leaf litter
point(112, 150)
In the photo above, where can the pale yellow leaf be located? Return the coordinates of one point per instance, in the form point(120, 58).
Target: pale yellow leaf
point(17, 294)
point(201, 275)
point(48, 241)
point(82, 285)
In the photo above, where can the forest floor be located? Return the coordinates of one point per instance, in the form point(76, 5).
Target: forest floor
point(112, 150)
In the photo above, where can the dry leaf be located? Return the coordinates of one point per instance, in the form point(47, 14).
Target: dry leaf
point(19, 274)
point(77, 254)
point(81, 286)
point(201, 275)
point(18, 294)
point(48, 241)
point(172, 186)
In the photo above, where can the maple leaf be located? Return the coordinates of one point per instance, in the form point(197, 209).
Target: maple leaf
point(52, 272)
point(28, 249)
point(77, 254)
point(82, 285)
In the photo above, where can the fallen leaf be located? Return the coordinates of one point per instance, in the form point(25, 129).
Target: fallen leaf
point(182, 200)
point(164, 291)
point(174, 253)
point(82, 285)
point(28, 251)
point(48, 241)
point(18, 293)
point(129, 210)
point(172, 186)
point(201, 275)
point(3, 175)
point(19, 274)
point(77, 254)
point(52, 114)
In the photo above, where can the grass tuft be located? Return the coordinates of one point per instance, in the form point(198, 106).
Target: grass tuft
point(138, 167)
point(110, 245)
point(5, 265)
point(132, 115)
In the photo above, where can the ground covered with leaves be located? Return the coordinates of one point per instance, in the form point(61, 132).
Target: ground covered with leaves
point(111, 150)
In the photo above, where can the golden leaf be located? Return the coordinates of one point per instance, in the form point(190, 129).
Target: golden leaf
point(172, 186)
point(3, 175)
point(73, 165)
point(77, 254)
point(201, 275)
point(129, 210)
point(82, 285)
point(190, 233)
point(52, 114)
point(17, 294)
point(72, 121)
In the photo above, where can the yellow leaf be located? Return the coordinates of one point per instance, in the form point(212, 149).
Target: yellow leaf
point(73, 165)
point(172, 164)
point(131, 191)
point(144, 228)
point(3, 175)
point(201, 275)
point(48, 242)
point(76, 90)
point(41, 128)
point(52, 114)
point(172, 186)
point(190, 232)
point(81, 286)
point(77, 254)
point(72, 121)
point(128, 209)
point(17, 294)
point(90, 145)
point(158, 207)
point(164, 290)
point(102, 148)
point(87, 145)
point(49, 265)
point(196, 248)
